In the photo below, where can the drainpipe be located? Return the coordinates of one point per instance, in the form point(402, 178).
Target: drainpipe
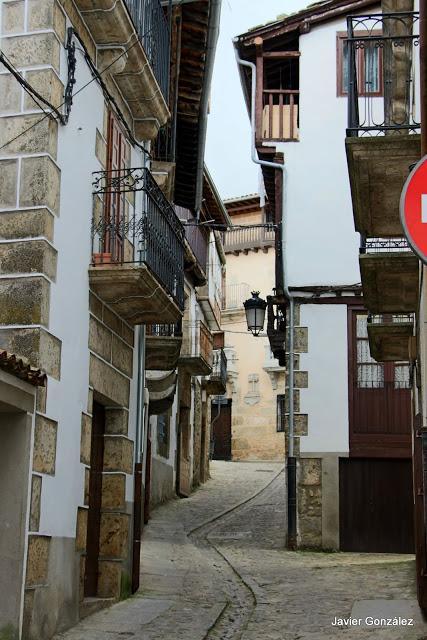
point(291, 460)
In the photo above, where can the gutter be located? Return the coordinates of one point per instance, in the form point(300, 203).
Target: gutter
point(291, 460)
point(212, 38)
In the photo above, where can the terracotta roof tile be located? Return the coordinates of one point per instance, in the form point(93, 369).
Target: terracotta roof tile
point(22, 369)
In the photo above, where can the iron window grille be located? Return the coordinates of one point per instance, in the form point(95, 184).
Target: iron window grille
point(281, 413)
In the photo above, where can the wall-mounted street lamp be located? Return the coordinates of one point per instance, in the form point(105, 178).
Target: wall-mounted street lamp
point(255, 313)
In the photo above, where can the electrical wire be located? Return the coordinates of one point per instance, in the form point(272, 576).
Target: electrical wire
point(29, 89)
point(47, 114)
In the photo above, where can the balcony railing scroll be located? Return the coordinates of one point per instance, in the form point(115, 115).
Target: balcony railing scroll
point(124, 233)
point(152, 25)
point(380, 62)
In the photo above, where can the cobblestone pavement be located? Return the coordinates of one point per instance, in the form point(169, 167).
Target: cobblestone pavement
point(214, 570)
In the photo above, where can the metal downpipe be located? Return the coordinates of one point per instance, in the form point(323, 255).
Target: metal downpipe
point(291, 460)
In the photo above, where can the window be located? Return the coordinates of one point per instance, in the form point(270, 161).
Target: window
point(369, 66)
point(116, 204)
point(370, 374)
point(281, 413)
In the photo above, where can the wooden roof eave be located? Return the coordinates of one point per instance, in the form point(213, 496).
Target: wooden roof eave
point(302, 21)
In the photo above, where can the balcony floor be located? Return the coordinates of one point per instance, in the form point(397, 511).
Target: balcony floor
point(162, 352)
point(134, 293)
point(390, 342)
point(378, 167)
point(390, 281)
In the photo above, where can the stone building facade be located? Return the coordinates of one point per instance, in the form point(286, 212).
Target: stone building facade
point(256, 382)
point(344, 430)
point(88, 185)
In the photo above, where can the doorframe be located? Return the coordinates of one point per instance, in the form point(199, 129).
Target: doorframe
point(21, 397)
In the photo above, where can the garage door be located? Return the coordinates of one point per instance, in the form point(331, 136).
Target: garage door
point(376, 505)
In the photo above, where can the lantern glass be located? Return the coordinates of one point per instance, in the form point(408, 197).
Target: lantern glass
point(255, 313)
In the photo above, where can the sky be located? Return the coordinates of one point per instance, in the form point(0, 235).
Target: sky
point(228, 154)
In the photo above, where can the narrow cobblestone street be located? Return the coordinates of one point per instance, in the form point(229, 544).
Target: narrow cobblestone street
point(214, 566)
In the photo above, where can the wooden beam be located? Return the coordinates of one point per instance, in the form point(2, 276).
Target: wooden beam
point(259, 88)
point(281, 54)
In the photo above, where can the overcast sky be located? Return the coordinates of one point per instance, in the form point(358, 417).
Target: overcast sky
point(228, 138)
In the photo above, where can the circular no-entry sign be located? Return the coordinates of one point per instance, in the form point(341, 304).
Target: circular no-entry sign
point(413, 209)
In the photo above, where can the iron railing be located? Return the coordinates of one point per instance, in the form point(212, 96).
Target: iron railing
point(234, 295)
point(383, 245)
point(248, 238)
point(154, 236)
point(197, 341)
point(388, 318)
point(380, 58)
point(164, 330)
point(195, 236)
point(219, 366)
point(152, 25)
point(276, 331)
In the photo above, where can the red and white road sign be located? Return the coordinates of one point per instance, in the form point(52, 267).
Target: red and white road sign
point(413, 209)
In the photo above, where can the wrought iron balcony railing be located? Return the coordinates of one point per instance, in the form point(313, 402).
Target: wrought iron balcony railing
point(152, 25)
point(380, 57)
point(234, 295)
point(248, 238)
point(138, 226)
point(197, 341)
point(219, 366)
point(164, 330)
point(384, 245)
point(388, 318)
point(195, 236)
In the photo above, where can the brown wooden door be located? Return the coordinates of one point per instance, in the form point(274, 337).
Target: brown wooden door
point(95, 500)
point(221, 430)
point(115, 201)
point(376, 505)
point(379, 399)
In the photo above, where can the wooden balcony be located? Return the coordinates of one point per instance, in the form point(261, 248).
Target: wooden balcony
point(197, 349)
point(162, 346)
point(216, 383)
point(378, 167)
point(389, 337)
point(250, 239)
point(389, 272)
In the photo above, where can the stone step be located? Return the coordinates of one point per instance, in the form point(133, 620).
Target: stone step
point(92, 605)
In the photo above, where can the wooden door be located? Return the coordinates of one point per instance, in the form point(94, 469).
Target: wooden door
point(376, 505)
point(115, 201)
point(221, 430)
point(379, 399)
point(95, 500)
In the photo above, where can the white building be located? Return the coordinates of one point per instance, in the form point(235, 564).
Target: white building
point(91, 252)
point(346, 444)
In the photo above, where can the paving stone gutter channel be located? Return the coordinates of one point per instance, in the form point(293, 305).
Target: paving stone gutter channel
point(189, 589)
